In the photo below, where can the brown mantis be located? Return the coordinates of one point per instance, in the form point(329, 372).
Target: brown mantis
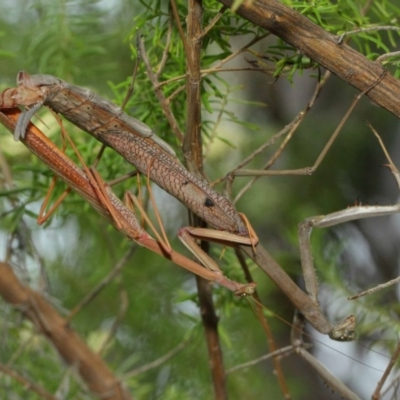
point(104, 201)
point(107, 204)
point(31, 94)
point(139, 145)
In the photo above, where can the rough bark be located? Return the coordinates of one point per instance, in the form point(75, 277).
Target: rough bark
point(323, 47)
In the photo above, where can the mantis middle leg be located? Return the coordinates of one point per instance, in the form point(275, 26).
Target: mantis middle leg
point(139, 145)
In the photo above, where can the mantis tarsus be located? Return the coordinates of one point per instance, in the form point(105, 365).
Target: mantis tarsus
point(141, 147)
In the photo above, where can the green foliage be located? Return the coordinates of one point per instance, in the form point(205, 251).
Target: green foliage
point(342, 16)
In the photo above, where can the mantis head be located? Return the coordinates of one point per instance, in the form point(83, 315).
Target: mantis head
point(344, 331)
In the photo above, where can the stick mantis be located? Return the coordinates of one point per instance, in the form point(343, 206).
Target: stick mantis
point(106, 203)
point(305, 228)
point(140, 146)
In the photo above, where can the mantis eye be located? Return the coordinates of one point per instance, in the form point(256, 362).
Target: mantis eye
point(209, 202)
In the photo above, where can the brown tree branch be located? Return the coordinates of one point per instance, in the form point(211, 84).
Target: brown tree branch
point(193, 152)
point(323, 47)
point(210, 325)
point(192, 144)
point(74, 351)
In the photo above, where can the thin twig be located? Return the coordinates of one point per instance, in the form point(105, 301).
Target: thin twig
point(306, 170)
point(213, 22)
point(67, 375)
point(165, 105)
point(266, 327)
point(394, 384)
point(383, 57)
point(241, 50)
point(291, 128)
point(28, 385)
point(208, 71)
point(181, 33)
point(21, 349)
point(375, 289)
point(394, 170)
point(120, 316)
point(369, 29)
point(376, 395)
point(132, 83)
point(156, 363)
point(101, 285)
point(283, 352)
point(367, 7)
point(216, 69)
point(165, 54)
point(218, 121)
